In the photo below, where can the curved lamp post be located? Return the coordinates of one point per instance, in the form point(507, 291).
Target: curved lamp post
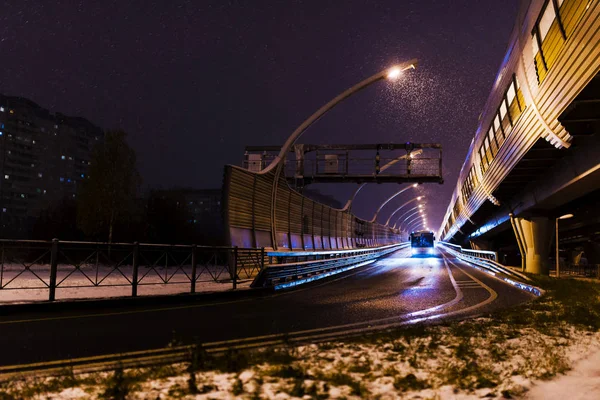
point(416, 227)
point(402, 206)
point(411, 220)
point(277, 163)
point(403, 215)
point(409, 217)
point(390, 73)
point(386, 166)
point(415, 224)
point(390, 199)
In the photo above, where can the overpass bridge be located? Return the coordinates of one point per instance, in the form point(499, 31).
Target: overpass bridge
point(535, 156)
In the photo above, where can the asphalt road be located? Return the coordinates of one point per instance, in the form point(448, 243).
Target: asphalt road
point(387, 291)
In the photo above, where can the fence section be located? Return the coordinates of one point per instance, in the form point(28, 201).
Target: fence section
point(36, 270)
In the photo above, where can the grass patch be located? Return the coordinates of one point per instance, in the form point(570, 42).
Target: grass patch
point(409, 382)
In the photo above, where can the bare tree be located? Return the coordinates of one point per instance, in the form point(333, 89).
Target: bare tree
point(109, 193)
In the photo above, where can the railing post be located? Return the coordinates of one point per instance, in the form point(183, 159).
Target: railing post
point(235, 261)
point(53, 269)
point(262, 258)
point(194, 264)
point(136, 262)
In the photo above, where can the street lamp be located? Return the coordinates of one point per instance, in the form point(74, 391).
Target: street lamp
point(409, 217)
point(390, 73)
point(277, 164)
point(390, 198)
point(414, 227)
point(405, 213)
point(386, 166)
point(402, 206)
point(566, 216)
point(410, 221)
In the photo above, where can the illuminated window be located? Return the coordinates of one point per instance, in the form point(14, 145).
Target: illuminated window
point(62, 179)
point(503, 109)
point(39, 174)
point(83, 175)
point(6, 176)
point(62, 157)
point(546, 20)
point(4, 210)
point(12, 111)
point(0, 133)
point(1, 109)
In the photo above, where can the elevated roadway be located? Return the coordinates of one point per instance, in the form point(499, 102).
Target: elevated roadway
point(397, 290)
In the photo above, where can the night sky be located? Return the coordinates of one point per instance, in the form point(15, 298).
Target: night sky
point(193, 82)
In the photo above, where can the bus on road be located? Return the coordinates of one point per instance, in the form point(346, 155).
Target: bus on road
point(421, 242)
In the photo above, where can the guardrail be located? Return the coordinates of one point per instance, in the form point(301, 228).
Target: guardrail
point(288, 269)
point(492, 267)
point(583, 270)
point(489, 255)
point(28, 265)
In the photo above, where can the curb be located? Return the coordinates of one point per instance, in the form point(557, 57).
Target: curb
point(165, 299)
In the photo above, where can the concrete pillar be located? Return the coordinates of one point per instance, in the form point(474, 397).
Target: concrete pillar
point(574, 257)
point(480, 244)
point(536, 234)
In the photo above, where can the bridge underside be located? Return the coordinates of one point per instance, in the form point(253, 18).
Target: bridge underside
point(547, 183)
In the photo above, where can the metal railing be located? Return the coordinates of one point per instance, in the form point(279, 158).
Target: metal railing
point(349, 167)
point(582, 270)
point(62, 265)
point(287, 269)
point(489, 255)
point(488, 264)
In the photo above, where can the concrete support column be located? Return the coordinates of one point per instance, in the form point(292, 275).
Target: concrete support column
point(575, 257)
point(480, 244)
point(536, 234)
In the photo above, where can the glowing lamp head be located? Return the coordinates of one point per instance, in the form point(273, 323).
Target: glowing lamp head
point(415, 185)
point(394, 73)
point(419, 198)
point(566, 216)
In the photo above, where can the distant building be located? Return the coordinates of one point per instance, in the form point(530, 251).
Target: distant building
point(199, 203)
point(202, 210)
point(44, 156)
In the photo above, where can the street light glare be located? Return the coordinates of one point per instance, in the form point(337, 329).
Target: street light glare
point(394, 73)
point(416, 184)
point(566, 216)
